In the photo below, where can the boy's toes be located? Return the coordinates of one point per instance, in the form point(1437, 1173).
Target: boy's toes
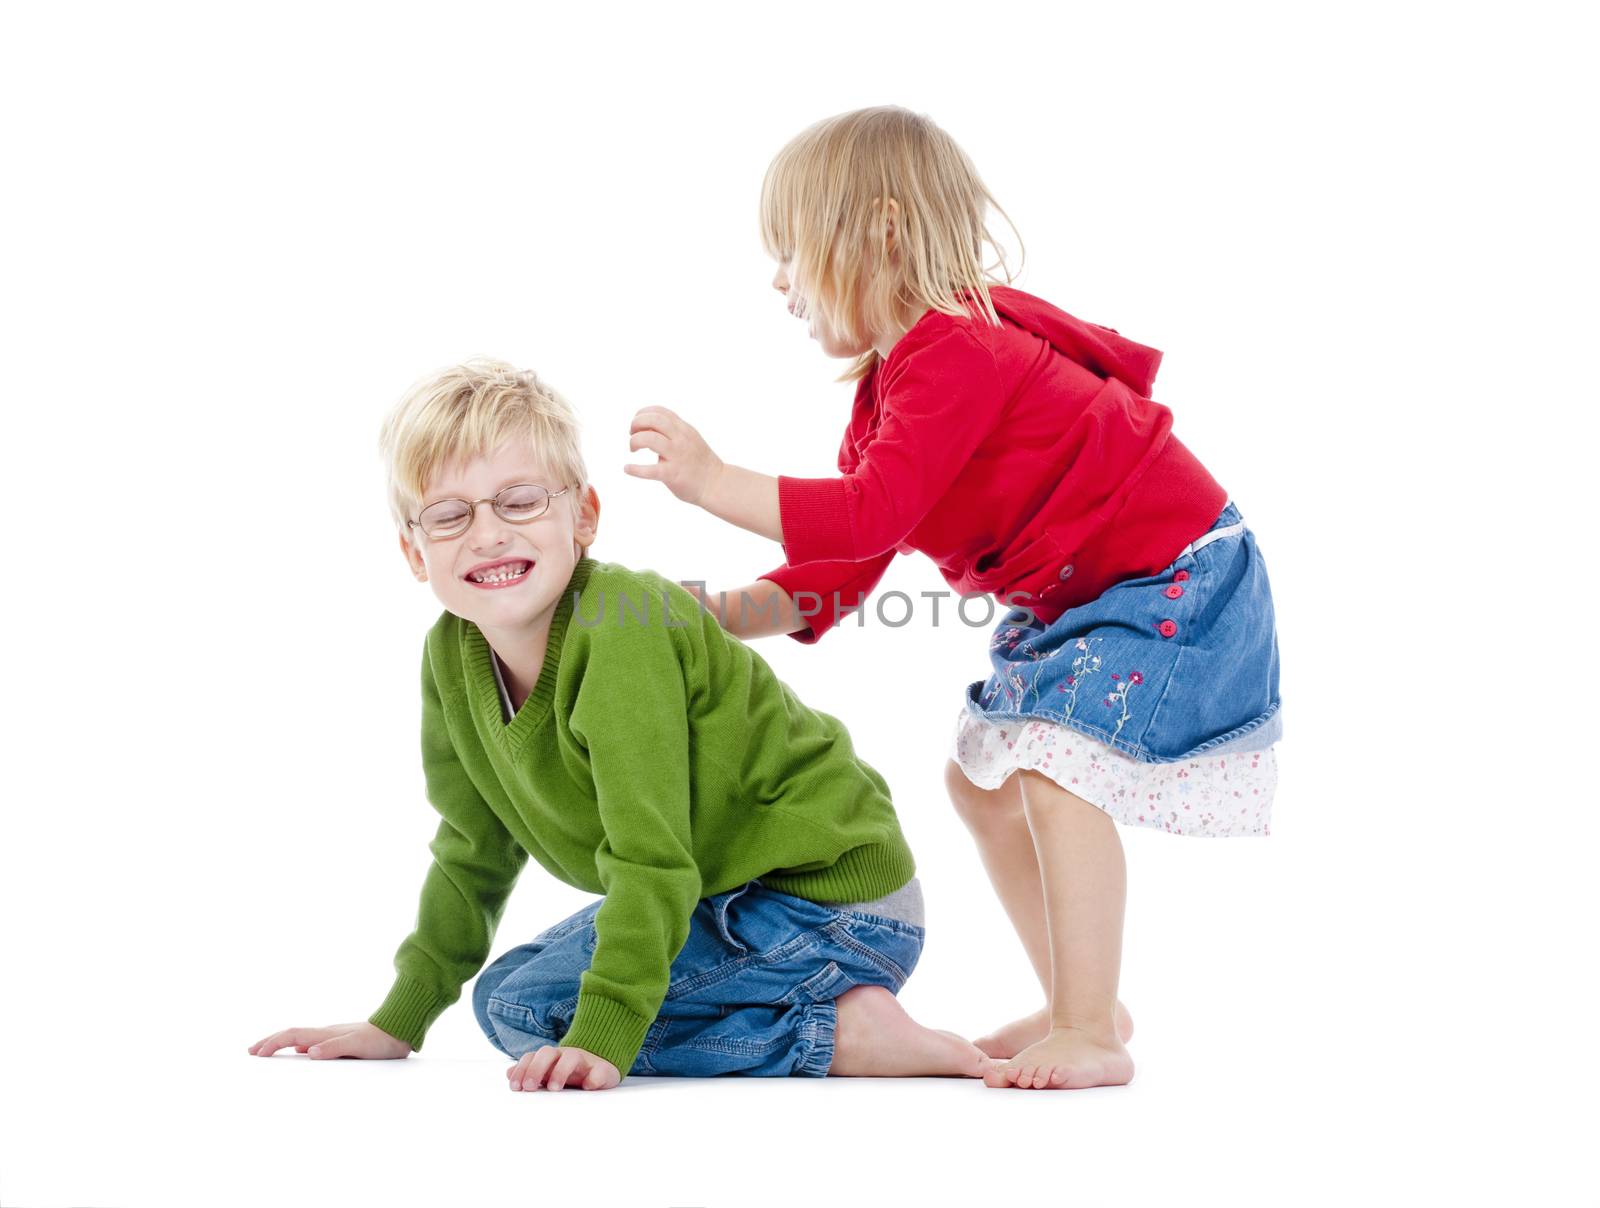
point(999, 1074)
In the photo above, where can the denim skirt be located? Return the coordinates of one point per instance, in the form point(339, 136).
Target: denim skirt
point(1162, 668)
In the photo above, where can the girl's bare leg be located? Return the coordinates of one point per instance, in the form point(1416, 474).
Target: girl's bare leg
point(999, 825)
point(1084, 879)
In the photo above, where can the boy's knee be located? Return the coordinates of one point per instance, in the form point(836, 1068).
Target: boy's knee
point(488, 982)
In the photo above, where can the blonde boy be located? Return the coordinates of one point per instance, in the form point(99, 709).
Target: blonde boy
point(760, 908)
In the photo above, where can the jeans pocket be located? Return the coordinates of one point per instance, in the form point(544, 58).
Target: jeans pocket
point(889, 947)
point(719, 915)
point(825, 985)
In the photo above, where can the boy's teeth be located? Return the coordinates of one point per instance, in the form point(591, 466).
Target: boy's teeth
point(501, 573)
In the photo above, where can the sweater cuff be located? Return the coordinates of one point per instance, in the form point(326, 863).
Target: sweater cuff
point(815, 520)
point(408, 1012)
point(606, 1028)
point(795, 581)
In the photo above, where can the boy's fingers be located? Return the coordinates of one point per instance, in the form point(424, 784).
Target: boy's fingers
point(563, 1069)
point(530, 1069)
point(542, 1061)
point(540, 1066)
point(334, 1046)
point(299, 1037)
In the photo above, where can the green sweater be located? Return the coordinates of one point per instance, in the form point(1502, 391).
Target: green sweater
point(659, 760)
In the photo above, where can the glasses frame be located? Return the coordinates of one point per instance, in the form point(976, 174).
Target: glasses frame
point(472, 509)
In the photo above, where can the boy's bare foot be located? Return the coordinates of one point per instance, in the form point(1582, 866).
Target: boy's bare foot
point(1017, 1035)
point(875, 1038)
point(1066, 1059)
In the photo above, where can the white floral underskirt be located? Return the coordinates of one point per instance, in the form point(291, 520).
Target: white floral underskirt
point(1221, 795)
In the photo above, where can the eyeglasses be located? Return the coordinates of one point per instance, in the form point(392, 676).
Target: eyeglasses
point(516, 505)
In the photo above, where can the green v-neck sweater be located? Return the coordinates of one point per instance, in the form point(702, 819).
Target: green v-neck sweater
point(659, 760)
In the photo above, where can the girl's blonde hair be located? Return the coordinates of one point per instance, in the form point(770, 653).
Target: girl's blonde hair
point(467, 411)
point(822, 212)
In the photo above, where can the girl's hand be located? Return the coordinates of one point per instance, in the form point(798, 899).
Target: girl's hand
point(556, 1066)
point(341, 1040)
point(684, 461)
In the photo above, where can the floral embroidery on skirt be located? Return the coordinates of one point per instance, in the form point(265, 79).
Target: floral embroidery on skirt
point(1224, 795)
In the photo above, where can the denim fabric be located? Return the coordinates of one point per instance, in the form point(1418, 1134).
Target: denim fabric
point(752, 991)
point(1161, 668)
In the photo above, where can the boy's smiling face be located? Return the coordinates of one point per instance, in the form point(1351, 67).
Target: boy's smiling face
point(539, 553)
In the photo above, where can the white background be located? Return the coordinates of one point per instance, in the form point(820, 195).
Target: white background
point(1362, 236)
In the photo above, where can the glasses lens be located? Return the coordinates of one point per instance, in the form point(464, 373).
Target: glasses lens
point(445, 518)
point(522, 502)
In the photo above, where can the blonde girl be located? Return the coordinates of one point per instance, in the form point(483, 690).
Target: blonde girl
point(1133, 676)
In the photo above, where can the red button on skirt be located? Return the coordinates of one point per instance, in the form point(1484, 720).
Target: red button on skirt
point(1168, 628)
point(1173, 591)
point(1179, 576)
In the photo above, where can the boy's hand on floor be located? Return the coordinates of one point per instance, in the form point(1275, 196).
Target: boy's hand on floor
point(341, 1040)
point(555, 1066)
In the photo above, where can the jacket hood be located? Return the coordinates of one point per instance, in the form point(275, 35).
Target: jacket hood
point(1098, 349)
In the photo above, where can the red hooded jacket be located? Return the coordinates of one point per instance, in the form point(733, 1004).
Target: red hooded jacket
point(1027, 460)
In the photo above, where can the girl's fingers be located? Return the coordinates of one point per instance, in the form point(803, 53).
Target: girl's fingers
point(648, 439)
point(644, 471)
point(654, 412)
point(651, 417)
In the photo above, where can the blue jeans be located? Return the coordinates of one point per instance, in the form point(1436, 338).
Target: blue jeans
point(752, 991)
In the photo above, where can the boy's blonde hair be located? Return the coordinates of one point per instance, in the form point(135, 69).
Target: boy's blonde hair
point(820, 210)
point(468, 411)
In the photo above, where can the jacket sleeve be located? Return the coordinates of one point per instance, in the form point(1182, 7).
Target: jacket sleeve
point(940, 403)
point(476, 863)
point(632, 716)
point(827, 592)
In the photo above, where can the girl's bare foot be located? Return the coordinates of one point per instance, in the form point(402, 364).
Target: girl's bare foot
point(1066, 1059)
point(875, 1038)
point(1017, 1035)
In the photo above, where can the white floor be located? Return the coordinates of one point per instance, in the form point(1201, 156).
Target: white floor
point(183, 1119)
